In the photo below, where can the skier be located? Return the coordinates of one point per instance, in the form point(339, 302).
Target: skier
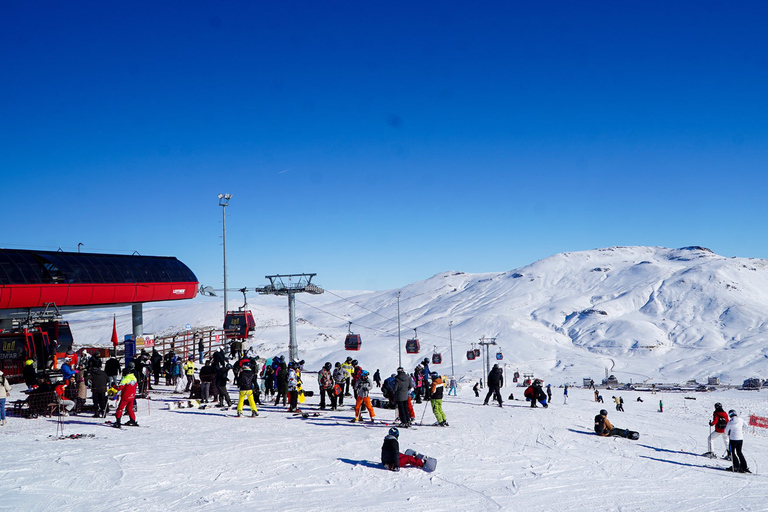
point(661, 406)
point(388, 390)
point(325, 382)
point(735, 432)
point(377, 378)
point(391, 457)
point(565, 395)
point(281, 379)
point(476, 389)
point(207, 374)
point(127, 388)
point(245, 383)
point(597, 395)
point(617, 401)
point(157, 365)
point(425, 373)
point(495, 381)
point(719, 421)
point(418, 383)
point(362, 391)
point(402, 388)
point(453, 386)
point(436, 393)
point(549, 393)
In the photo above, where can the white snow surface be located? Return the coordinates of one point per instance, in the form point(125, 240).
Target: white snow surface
point(702, 313)
point(489, 458)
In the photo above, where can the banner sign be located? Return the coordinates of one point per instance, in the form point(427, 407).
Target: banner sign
point(758, 421)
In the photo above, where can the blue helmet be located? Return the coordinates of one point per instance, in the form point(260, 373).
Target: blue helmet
point(394, 432)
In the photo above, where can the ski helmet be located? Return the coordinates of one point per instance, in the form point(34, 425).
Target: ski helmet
point(338, 364)
point(603, 412)
point(732, 413)
point(394, 432)
point(433, 375)
point(718, 405)
point(364, 373)
point(425, 361)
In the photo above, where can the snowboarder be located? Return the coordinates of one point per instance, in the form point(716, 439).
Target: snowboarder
point(245, 383)
point(127, 389)
point(220, 380)
point(597, 395)
point(735, 432)
point(391, 457)
point(549, 393)
point(604, 428)
point(476, 389)
point(565, 395)
point(362, 391)
point(377, 378)
point(495, 381)
point(436, 392)
point(719, 421)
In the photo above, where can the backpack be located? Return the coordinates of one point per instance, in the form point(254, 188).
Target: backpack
point(599, 425)
point(721, 423)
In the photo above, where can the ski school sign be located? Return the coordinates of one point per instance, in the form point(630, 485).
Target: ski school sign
point(758, 421)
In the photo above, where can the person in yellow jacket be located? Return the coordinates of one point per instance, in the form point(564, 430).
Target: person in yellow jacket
point(189, 371)
point(347, 367)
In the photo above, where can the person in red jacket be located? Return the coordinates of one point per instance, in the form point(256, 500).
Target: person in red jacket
point(719, 421)
point(127, 389)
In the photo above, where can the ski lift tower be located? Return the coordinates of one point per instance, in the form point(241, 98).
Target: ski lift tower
point(485, 343)
point(290, 285)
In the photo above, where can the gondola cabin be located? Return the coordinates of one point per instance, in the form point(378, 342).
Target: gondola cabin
point(437, 358)
point(412, 346)
point(499, 356)
point(239, 324)
point(471, 355)
point(353, 342)
point(477, 352)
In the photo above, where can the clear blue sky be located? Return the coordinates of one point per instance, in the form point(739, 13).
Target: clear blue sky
point(378, 143)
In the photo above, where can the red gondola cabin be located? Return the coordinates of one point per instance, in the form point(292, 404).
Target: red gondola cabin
point(353, 342)
point(471, 355)
point(412, 346)
point(239, 324)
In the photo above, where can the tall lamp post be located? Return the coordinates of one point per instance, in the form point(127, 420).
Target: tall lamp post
point(399, 343)
point(450, 337)
point(224, 202)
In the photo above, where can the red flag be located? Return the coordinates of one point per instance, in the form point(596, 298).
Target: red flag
point(114, 330)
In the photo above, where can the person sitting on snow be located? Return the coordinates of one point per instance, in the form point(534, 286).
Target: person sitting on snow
point(604, 428)
point(391, 456)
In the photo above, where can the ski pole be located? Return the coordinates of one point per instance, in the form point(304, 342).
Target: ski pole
point(709, 441)
point(423, 413)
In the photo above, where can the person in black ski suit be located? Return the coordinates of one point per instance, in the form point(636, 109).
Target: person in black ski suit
point(220, 381)
point(495, 381)
point(377, 378)
point(402, 389)
point(391, 457)
point(99, 391)
point(157, 365)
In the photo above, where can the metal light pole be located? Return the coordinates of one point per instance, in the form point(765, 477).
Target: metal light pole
point(399, 343)
point(224, 202)
point(450, 337)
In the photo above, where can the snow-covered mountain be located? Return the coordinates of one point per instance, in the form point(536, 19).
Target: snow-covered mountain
point(641, 313)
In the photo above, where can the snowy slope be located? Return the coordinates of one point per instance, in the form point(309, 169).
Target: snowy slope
point(514, 458)
point(643, 313)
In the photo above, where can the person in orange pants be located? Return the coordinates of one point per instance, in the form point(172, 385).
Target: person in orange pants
point(363, 389)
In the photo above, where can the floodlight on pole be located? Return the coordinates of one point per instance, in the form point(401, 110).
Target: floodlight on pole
point(224, 202)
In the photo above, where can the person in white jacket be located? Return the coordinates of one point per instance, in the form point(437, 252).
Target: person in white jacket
point(735, 432)
point(5, 391)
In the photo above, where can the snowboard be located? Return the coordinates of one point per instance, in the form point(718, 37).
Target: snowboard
point(112, 424)
point(628, 434)
point(430, 463)
point(186, 404)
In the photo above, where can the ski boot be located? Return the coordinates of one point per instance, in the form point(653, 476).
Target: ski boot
point(131, 423)
point(116, 424)
point(254, 414)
